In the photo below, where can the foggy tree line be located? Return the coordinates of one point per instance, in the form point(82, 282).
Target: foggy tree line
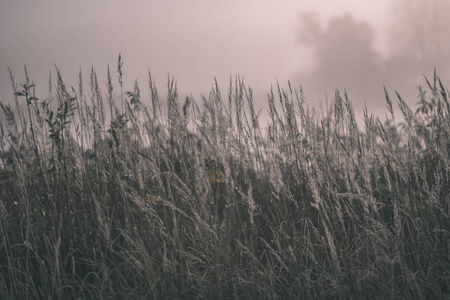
point(345, 56)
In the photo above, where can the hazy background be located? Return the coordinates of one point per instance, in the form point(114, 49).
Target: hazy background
point(350, 44)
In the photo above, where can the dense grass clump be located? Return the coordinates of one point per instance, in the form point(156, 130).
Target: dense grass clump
point(106, 199)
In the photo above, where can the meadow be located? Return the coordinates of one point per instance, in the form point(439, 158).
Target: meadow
point(102, 197)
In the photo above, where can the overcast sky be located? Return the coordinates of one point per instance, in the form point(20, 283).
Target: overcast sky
point(192, 40)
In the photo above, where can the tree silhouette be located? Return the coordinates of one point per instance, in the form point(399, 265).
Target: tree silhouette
point(344, 55)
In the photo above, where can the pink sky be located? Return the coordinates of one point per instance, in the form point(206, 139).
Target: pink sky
point(192, 40)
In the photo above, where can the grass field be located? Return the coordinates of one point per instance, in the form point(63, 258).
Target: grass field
point(104, 198)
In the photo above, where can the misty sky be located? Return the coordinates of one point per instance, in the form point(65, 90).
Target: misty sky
point(192, 40)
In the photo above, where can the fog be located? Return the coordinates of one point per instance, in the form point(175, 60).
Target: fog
point(345, 55)
point(358, 46)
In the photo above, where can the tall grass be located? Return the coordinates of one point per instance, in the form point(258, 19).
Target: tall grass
point(190, 201)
